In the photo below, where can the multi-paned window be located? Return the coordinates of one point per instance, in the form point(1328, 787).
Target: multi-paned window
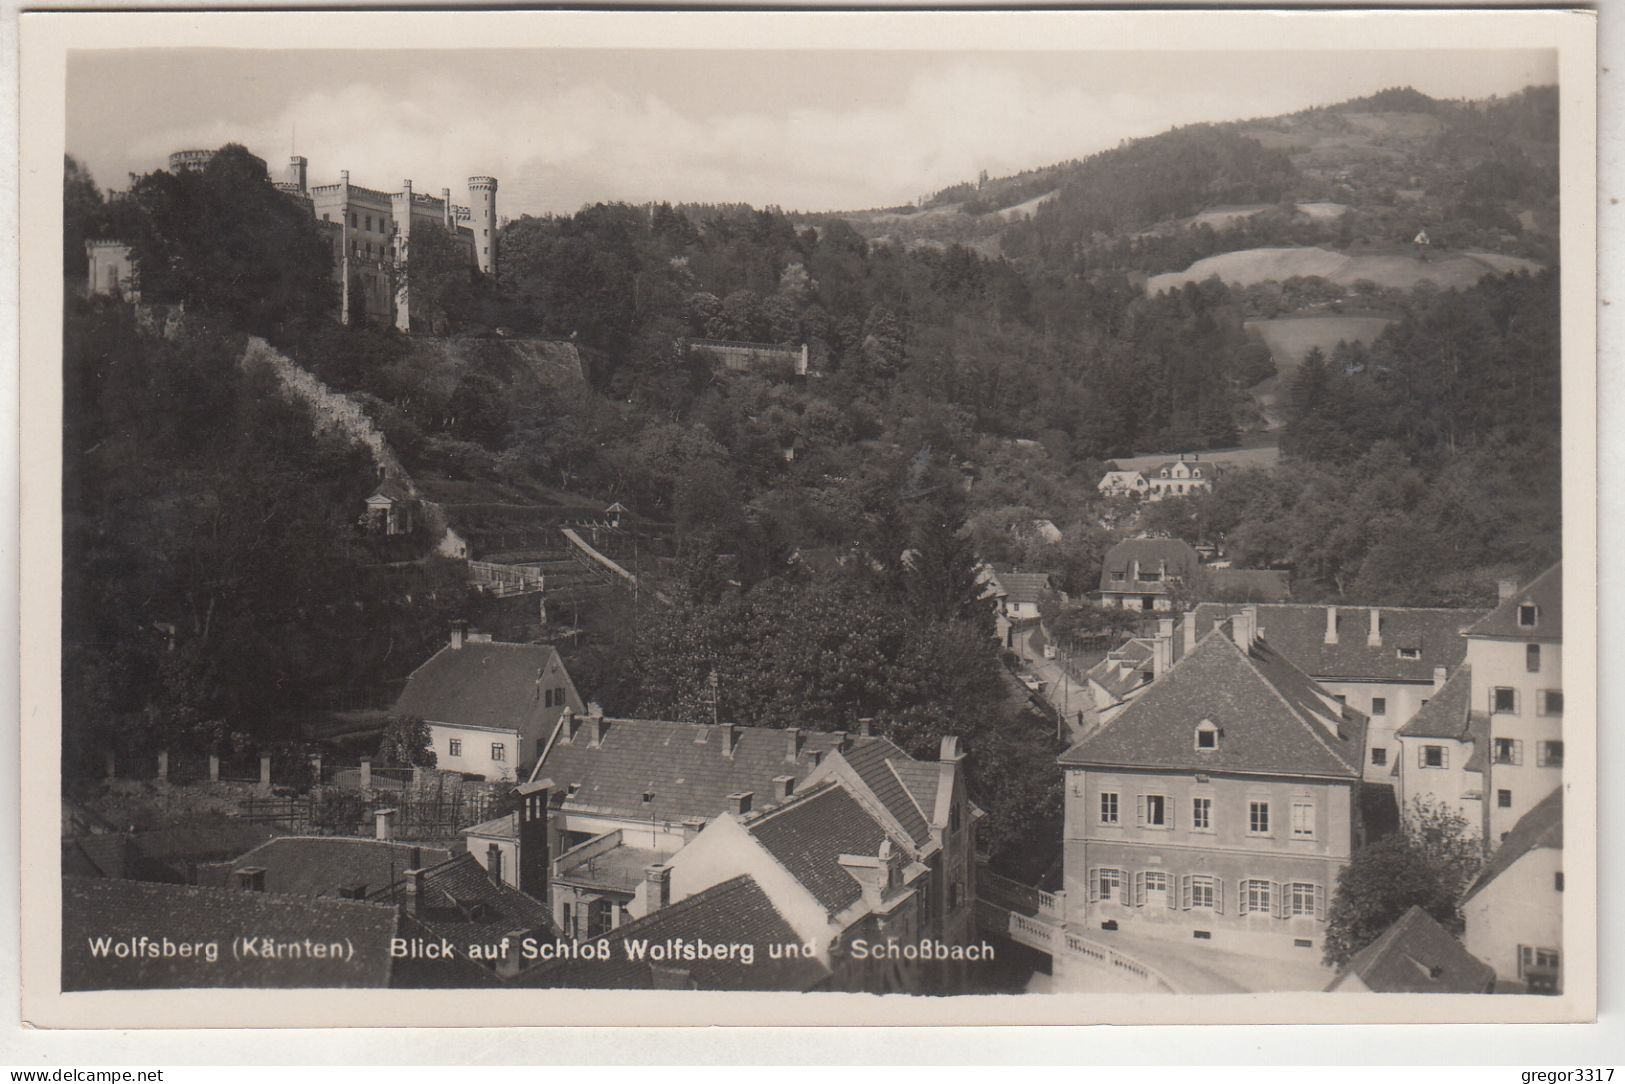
point(1151, 888)
point(1108, 807)
point(1201, 814)
point(1303, 819)
point(1258, 818)
point(1549, 702)
point(1503, 799)
point(1549, 754)
point(456, 748)
point(1531, 658)
point(1432, 756)
point(1201, 892)
point(1256, 897)
point(1106, 885)
point(499, 752)
point(1154, 811)
point(1508, 751)
point(1305, 899)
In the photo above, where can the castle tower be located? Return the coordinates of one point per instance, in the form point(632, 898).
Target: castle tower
point(482, 201)
point(344, 245)
point(296, 172)
point(403, 232)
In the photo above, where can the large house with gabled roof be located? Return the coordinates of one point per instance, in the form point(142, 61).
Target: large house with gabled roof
point(1219, 805)
point(1514, 907)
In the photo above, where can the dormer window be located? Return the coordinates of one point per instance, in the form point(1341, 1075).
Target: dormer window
point(1196, 473)
point(1410, 653)
point(1528, 615)
point(1207, 735)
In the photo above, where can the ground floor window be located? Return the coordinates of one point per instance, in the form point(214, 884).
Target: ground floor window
point(1306, 899)
point(456, 747)
point(1256, 897)
point(1106, 885)
point(1151, 889)
point(1201, 892)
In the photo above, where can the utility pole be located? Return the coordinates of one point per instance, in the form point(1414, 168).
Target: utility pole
point(711, 680)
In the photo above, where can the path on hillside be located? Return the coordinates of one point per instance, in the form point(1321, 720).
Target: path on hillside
point(1069, 698)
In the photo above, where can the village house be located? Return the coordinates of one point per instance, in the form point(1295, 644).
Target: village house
point(1142, 573)
point(491, 707)
point(1415, 955)
point(391, 509)
point(1123, 483)
point(1514, 908)
point(1017, 594)
point(631, 792)
point(1218, 807)
point(1489, 744)
point(338, 866)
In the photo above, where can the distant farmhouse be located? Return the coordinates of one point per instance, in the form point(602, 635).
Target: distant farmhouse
point(1177, 478)
point(780, 359)
point(1146, 573)
point(370, 230)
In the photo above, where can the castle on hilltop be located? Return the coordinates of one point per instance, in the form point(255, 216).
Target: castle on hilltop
point(371, 232)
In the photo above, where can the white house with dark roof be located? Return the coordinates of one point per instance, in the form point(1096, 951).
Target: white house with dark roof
point(1141, 573)
point(1514, 908)
point(490, 706)
point(1415, 955)
point(1123, 483)
point(1443, 750)
point(1017, 593)
point(1218, 807)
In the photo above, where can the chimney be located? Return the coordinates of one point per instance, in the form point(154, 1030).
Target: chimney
point(493, 862)
point(531, 875)
point(354, 891)
point(459, 633)
point(567, 724)
point(383, 821)
point(596, 729)
point(692, 826)
point(739, 803)
point(1439, 676)
point(1252, 625)
point(1165, 628)
point(513, 961)
point(782, 786)
point(1506, 589)
point(1241, 630)
point(727, 732)
point(251, 879)
point(1190, 631)
point(413, 879)
point(1374, 637)
point(658, 894)
point(792, 746)
point(1331, 624)
point(866, 728)
point(1162, 655)
point(840, 741)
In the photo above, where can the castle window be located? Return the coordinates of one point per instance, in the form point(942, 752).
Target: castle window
point(369, 222)
point(352, 220)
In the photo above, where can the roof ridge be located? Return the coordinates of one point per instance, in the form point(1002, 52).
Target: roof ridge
point(912, 800)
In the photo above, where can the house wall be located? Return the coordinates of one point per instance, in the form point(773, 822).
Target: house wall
point(1228, 851)
point(1503, 663)
point(1520, 907)
point(476, 755)
point(1452, 785)
point(478, 846)
point(1402, 701)
point(112, 270)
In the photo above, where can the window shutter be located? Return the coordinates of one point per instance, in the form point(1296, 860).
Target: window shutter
point(1094, 885)
point(1277, 903)
point(1122, 888)
point(1517, 753)
point(1320, 903)
point(1139, 810)
point(1218, 895)
point(1444, 756)
point(1185, 892)
point(1421, 756)
point(1139, 889)
point(1168, 811)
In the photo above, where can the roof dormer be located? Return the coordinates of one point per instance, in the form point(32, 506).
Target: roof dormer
point(1207, 736)
point(1528, 615)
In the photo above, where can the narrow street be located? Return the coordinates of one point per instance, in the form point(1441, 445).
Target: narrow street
point(1070, 698)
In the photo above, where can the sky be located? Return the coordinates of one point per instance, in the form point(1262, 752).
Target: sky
point(808, 130)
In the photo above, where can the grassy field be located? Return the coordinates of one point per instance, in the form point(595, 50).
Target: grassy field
point(1291, 337)
point(1395, 269)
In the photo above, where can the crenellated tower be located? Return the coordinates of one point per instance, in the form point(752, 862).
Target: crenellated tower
point(482, 200)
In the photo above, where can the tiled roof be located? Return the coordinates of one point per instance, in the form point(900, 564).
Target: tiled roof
point(503, 827)
point(461, 903)
point(1273, 719)
point(1299, 632)
point(1478, 732)
point(808, 836)
point(735, 912)
point(478, 684)
point(1151, 553)
point(1541, 827)
point(1416, 955)
point(125, 910)
point(681, 764)
point(1252, 584)
point(920, 780)
point(105, 855)
point(1445, 713)
point(1022, 586)
point(881, 765)
point(1546, 592)
point(321, 865)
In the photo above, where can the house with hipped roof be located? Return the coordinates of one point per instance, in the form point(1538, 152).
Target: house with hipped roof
point(1514, 908)
point(1143, 573)
point(490, 706)
point(1415, 955)
point(1219, 805)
